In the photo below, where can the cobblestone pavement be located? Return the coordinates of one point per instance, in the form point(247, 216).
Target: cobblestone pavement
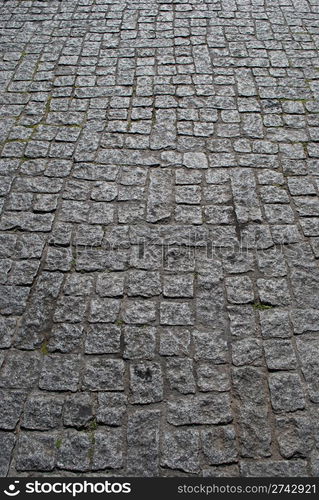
point(159, 235)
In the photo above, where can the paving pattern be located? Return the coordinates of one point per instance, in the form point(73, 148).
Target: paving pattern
point(159, 238)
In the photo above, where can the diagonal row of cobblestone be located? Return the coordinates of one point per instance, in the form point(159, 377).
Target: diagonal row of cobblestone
point(159, 237)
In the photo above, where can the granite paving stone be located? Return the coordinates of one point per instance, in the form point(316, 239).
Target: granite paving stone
point(159, 238)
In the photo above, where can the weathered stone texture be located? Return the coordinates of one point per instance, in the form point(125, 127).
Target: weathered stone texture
point(159, 238)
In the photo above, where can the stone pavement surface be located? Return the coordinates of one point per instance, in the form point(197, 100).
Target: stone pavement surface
point(159, 235)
